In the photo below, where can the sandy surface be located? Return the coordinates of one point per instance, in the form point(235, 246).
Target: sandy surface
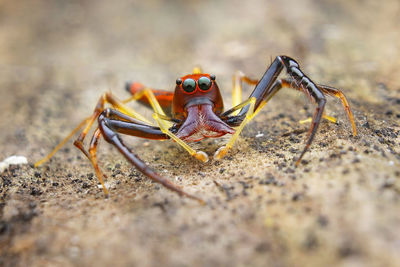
point(340, 207)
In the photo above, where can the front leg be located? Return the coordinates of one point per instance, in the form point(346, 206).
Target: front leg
point(111, 122)
point(269, 86)
point(250, 107)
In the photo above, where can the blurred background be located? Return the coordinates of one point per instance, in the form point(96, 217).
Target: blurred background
point(57, 57)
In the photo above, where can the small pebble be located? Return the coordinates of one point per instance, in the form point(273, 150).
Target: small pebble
point(13, 160)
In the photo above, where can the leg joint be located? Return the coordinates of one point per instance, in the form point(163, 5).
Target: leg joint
point(288, 62)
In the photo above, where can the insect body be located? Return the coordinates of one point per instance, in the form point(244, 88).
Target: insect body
point(197, 112)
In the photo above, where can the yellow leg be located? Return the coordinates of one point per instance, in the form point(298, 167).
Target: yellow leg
point(329, 118)
point(152, 99)
point(93, 159)
point(106, 98)
point(120, 105)
point(43, 160)
point(346, 106)
point(200, 155)
point(339, 94)
point(238, 78)
point(164, 124)
point(221, 152)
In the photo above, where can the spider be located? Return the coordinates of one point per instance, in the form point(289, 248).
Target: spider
point(197, 112)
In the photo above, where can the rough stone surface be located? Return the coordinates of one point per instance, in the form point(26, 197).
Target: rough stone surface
point(340, 207)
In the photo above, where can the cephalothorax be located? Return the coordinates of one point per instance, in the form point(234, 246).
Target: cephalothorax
point(196, 112)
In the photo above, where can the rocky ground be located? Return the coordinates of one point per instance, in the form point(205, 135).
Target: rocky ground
point(341, 206)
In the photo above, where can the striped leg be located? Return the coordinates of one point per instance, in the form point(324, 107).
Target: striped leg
point(268, 86)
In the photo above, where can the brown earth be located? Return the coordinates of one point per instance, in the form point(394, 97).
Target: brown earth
point(340, 207)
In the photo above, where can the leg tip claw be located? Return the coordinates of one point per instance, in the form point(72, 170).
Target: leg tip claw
point(305, 121)
point(201, 201)
point(201, 156)
point(297, 163)
point(38, 163)
point(220, 153)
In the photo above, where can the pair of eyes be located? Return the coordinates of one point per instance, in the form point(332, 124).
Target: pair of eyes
point(189, 84)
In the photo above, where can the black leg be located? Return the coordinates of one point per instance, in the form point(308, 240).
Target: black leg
point(268, 86)
point(266, 82)
point(109, 129)
point(121, 123)
point(302, 83)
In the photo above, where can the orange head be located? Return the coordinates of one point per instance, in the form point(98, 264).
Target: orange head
point(196, 89)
